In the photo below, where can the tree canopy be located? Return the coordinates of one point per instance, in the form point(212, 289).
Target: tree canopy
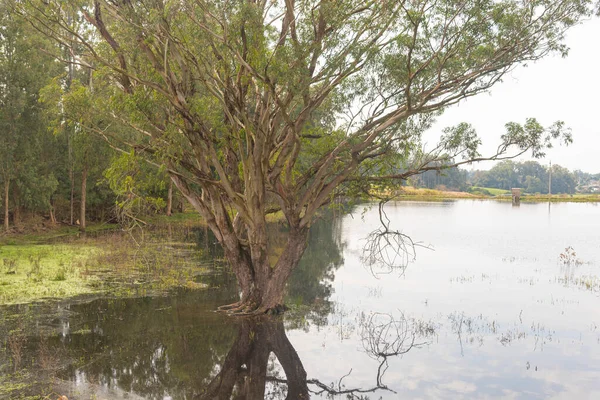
point(260, 106)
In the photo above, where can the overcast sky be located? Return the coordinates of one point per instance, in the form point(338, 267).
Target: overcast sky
point(552, 89)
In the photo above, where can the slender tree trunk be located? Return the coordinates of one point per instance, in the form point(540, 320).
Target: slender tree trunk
point(69, 55)
point(72, 201)
point(170, 198)
point(17, 215)
point(17, 206)
point(84, 174)
point(52, 216)
point(6, 194)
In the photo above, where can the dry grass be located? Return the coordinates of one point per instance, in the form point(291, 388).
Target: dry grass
point(409, 192)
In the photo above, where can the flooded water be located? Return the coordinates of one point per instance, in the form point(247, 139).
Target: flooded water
point(489, 309)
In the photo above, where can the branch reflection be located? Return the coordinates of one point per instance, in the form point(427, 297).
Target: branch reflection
point(262, 353)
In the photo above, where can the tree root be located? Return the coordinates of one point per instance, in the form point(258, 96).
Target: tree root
point(229, 306)
point(251, 309)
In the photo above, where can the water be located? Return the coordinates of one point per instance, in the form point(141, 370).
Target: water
point(487, 310)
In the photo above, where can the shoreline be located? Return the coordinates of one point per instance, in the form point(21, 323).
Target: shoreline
point(410, 193)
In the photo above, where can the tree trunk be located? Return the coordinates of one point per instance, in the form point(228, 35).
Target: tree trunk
point(16, 207)
point(84, 174)
point(262, 286)
point(17, 215)
point(72, 182)
point(170, 198)
point(52, 216)
point(6, 194)
point(263, 289)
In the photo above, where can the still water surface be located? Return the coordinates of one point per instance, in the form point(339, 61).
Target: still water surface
point(488, 310)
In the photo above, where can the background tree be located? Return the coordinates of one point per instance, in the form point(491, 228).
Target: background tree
point(529, 175)
point(452, 178)
point(533, 177)
point(563, 181)
point(141, 189)
point(256, 106)
point(502, 176)
point(26, 168)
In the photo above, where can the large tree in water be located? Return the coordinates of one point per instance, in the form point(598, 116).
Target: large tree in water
point(285, 105)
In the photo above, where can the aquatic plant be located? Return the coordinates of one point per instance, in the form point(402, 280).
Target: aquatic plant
point(569, 257)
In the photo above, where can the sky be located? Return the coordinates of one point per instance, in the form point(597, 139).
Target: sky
point(552, 89)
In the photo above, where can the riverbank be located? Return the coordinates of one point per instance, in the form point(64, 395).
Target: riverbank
point(411, 193)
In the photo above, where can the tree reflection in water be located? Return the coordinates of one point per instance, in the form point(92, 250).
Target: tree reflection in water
point(245, 371)
point(249, 372)
point(175, 347)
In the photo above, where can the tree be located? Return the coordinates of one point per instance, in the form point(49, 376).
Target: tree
point(139, 188)
point(563, 181)
point(502, 176)
point(25, 170)
point(532, 176)
point(452, 178)
point(262, 106)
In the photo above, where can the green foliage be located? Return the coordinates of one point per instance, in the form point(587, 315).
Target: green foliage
point(139, 187)
point(27, 157)
point(529, 176)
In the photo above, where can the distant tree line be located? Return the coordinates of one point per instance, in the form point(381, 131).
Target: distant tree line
point(530, 176)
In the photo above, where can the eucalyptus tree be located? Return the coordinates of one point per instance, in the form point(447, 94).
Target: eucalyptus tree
point(262, 106)
point(25, 171)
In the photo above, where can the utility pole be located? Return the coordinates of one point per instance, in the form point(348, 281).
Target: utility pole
point(550, 179)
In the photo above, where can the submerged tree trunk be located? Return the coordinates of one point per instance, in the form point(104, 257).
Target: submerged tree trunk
point(262, 285)
point(170, 198)
point(6, 194)
point(244, 371)
point(84, 174)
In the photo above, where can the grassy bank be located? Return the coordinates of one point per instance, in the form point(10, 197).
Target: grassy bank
point(54, 266)
point(411, 193)
point(558, 198)
point(34, 271)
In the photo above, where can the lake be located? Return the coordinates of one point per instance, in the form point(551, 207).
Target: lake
point(488, 309)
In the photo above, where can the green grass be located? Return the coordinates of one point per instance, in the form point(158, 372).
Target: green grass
point(187, 217)
point(59, 232)
point(31, 272)
point(558, 198)
point(115, 264)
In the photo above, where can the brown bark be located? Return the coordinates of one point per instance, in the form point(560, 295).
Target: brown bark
point(84, 174)
point(289, 259)
point(52, 216)
point(262, 286)
point(16, 207)
point(72, 199)
point(17, 215)
point(170, 198)
point(6, 194)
